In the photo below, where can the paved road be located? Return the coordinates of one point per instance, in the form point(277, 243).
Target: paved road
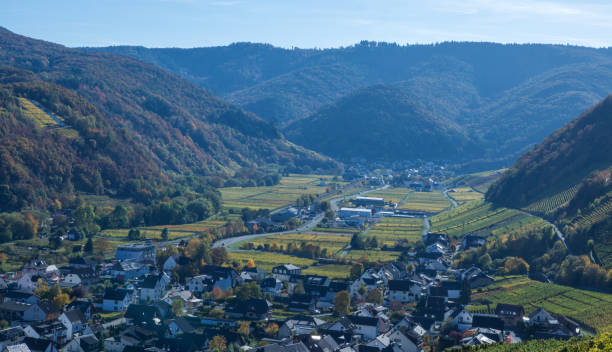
point(453, 202)
point(227, 242)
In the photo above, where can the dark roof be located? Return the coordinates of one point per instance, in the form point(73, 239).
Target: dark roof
point(400, 285)
point(75, 315)
point(509, 309)
point(487, 321)
point(18, 294)
point(438, 291)
point(337, 286)
point(79, 303)
point(451, 285)
point(257, 306)
point(11, 333)
point(15, 306)
point(358, 320)
point(268, 282)
point(35, 344)
point(184, 325)
point(294, 347)
point(81, 261)
point(48, 307)
point(150, 281)
point(142, 313)
point(115, 294)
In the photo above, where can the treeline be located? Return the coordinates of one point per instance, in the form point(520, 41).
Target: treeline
point(17, 226)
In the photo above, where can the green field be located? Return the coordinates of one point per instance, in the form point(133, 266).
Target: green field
point(428, 202)
point(333, 242)
point(333, 271)
point(480, 217)
point(390, 230)
point(174, 231)
point(464, 194)
point(268, 260)
point(274, 197)
point(373, 255)
point(34, 112)
point(393, 195)
point(480, 181)
point(591, 308)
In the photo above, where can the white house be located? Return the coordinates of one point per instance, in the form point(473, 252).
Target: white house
point(285, 271)
point(169, 264)
point(72, 280)
point(367, 327)
point(153, 287)
point(74, 321)
point(463, 320)
point(404, 291)
point(116, 300)
point(83, 343)
point(28, 283)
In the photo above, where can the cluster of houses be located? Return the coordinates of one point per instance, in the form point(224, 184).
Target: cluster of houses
point(145, 309)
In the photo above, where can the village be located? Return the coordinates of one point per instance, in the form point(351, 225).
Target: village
point(187, 297)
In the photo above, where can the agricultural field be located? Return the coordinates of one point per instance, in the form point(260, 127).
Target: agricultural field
point(372, 255)
point(464, 194)
point(428, 202)
point(390, 230)
point(479, 181)
point(37, 114)
point(548, 206)
point(268, 260)
point(590, 308)
point(274, 197)
point(393, 195)
point(332, 242)
point(333, 271)
point(475, 217)
point(174, 231)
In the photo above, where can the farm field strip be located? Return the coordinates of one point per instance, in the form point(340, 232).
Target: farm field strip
point(274, 197)
point(394, 195)
point(333, 243)
point(37, 114)
point(429, 202)
point(333, 271)
point(464, 194)
point(391, 230)
point(373, 255)
point(267, 260)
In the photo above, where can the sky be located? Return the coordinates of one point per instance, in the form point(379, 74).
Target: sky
point(308, 23)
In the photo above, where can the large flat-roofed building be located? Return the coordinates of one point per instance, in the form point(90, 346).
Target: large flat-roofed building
point(369, 201)
point(137, 252)
point(351, 212)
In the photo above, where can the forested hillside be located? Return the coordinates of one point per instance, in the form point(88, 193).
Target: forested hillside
point(511, 96)
point(124, 128)
point(382, 122)
point(567, 178)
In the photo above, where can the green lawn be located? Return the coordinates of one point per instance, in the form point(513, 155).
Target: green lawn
point(391, 230)
point(428, 202)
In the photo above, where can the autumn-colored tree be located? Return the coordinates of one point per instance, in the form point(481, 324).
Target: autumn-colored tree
point(375, 296)
point(245, 328)
point(217, 293)
point(219, 255)
point(516, 265)
point(342, 302)
point(299, 288)
point(271, 329)
point(218, 344)
point(61, 300)
point(356, 271)
point(250, 263)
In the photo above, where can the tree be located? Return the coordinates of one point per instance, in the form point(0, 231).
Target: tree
point(356, 271)
point(248, 291)
point(89, 246)
point(342, 302)
point(219, 255)
point(164, 234)
point(271, 329)
point(178, 308)
point(217, 293)
point(516, 265)
point(357, 241)
point(61, 300)
point(375, 296)
point(245, 328)
point(218, 344)
point(101, 245)
point(134, 234)
point(250, 263)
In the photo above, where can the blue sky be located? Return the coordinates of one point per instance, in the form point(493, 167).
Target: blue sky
point(308, 23)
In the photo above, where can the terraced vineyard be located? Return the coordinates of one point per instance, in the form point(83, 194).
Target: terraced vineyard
point(464, 194)
point(428, 202)
point(393, 195)
point(268, 260)
point(479, 181)
point(37, 114)
point(591, 308)
point(599, 213)
point(332, 242)
point(473, 217)
point(390, 230)
point(174, 231)
point(275, 197)
point(548, 206)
